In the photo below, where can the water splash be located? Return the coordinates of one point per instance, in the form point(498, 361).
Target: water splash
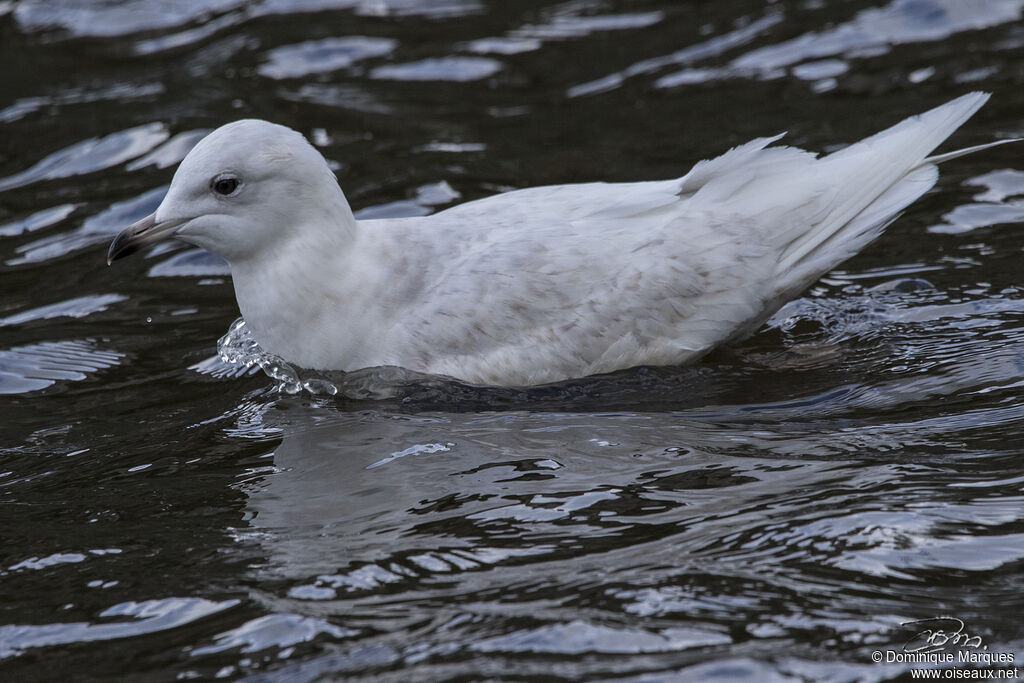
point(240, 350)
point(239, 347)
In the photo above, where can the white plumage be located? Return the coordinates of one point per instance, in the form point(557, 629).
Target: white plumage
point(542, 284)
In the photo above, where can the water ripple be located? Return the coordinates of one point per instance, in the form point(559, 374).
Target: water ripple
point(151, 616)
point(78, 307)
point(91, 155)
point(869, 34)
point(94, 230)
point(85, 18)
point(321, 56)
point(775, 512)
point(275, 630)
point(458, 69)
point(38, 366)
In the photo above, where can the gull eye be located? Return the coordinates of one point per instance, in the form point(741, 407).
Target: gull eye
point(225, 184)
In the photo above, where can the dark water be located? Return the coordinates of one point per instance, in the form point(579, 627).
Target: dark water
point(773, 514)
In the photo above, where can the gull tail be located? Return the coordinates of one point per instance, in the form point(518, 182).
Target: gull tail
point(869, 184)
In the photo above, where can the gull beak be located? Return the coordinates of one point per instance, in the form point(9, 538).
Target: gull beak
point(141, 233)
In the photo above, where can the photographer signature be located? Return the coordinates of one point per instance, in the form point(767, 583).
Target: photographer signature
point(939, 632)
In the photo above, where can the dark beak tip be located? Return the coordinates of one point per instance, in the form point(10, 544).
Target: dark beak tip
point(134, 237)
point(119, 248)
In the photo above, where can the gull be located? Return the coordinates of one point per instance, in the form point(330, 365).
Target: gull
point(543, 284)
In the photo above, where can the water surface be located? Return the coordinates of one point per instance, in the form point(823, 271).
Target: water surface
point(772, 514)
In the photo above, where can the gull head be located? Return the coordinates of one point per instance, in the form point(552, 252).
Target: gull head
point(245, 190)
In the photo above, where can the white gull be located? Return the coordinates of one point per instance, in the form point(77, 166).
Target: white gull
point(541, 284)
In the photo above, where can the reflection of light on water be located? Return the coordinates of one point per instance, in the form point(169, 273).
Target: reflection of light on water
point(745, 32)
point(273, 630)
point(1002, 202)
point(106, 19)
point(79, 307)
point(321, 56)
point(899, 22)
point(38, 220)
point(38, 366)
point(820, 56)
point(150, 616)
point(416, 449)
point(631, 526)
point(439, 69)
point(91, 155)
point(94, 230)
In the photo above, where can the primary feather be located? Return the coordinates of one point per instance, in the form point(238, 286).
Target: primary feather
point(547, 283)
